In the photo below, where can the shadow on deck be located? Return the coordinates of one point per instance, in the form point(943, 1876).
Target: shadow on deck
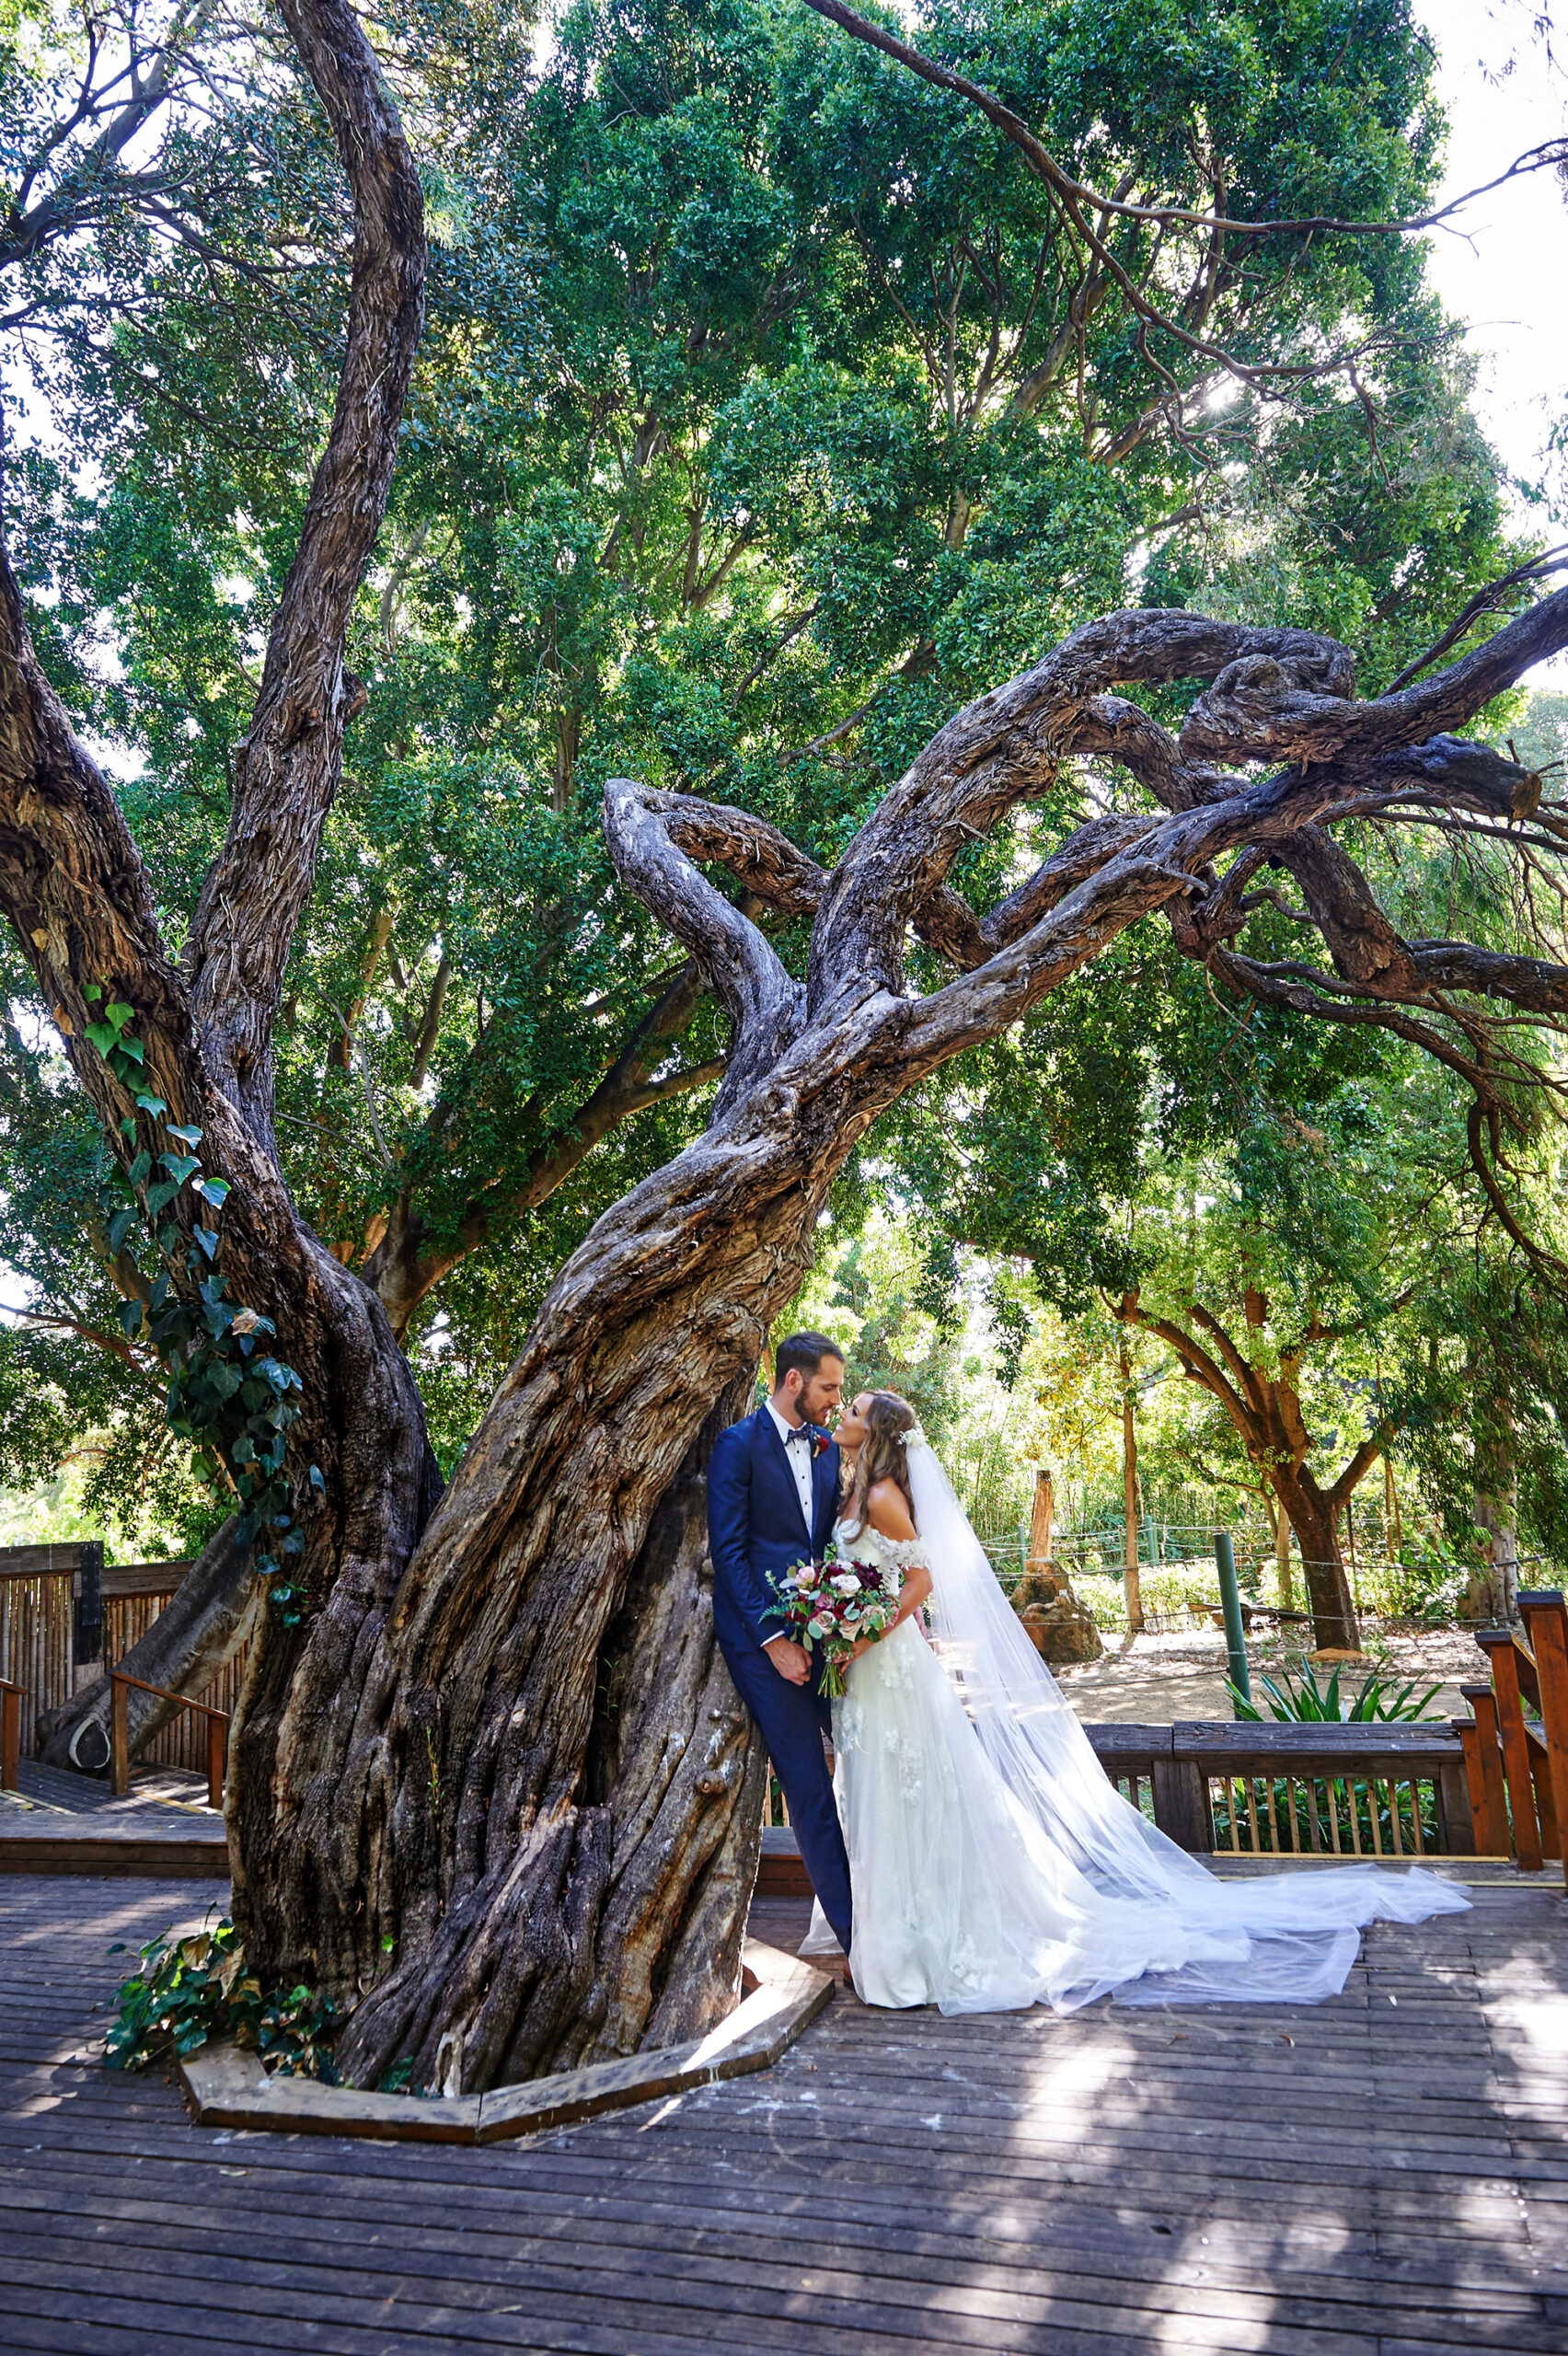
point(1386, 2174)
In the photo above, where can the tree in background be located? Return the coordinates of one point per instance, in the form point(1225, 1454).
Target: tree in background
point(766, 413)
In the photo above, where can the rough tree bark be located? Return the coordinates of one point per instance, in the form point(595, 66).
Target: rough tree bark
point(73, 888)
point(495, 1785)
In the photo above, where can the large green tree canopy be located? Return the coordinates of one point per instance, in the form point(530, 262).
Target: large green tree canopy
point(767, 411)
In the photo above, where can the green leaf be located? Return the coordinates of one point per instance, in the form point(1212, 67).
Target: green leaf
point(206, 1239)
point(154, 1104)
point(119, 1227)
point(101, 1037)
point(92, 993)
point(163, 1192)
point(118, 1014)
point(215, 1189)
point(140, 1170)
point(186, 1136)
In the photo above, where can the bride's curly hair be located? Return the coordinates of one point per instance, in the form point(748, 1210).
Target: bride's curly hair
point(884, 1456)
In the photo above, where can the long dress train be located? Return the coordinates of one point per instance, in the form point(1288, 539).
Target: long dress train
point(992, 1864)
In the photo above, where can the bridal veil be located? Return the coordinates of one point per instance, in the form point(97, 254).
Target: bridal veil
point(1288, 1938)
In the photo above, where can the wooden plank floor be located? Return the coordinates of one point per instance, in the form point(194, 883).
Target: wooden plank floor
point(1384, 2176)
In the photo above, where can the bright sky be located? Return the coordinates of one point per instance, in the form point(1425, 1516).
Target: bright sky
point(1506, 272)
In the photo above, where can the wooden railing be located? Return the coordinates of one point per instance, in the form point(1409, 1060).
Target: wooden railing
point(1240, 1790)
point(66, 1618)
point(133, 1595)
point(119, 1733)
point(1245, 1789)
point(1516, 1740)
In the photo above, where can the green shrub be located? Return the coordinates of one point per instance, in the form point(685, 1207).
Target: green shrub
point(1301, 1699)
point(197, 1988)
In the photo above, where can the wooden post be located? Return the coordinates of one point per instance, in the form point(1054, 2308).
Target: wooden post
point(86, 1632)
point(1483, 1766)
point(1130, 1494)
point(1391, 1509)
point(10, 1734)
point(1039, 1526)
point(217, 1745)
point(1285, 1584)
point(1455, 1816)
point(1498, 1647)
point(1546, 1623)
point(119, 1737)
point(1181, 1804)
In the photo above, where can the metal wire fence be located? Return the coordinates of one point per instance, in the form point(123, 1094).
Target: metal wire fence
point(1179, 1580)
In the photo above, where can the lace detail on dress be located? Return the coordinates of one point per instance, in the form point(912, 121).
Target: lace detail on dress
point(870, 1545)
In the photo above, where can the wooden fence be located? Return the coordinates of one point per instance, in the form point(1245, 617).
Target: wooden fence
point(41, 1632)
point(66, 1618)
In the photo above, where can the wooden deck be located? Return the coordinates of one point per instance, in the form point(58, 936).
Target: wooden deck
point(1384, 2176)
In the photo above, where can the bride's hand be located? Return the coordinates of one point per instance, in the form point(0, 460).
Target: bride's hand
point(863, 1645)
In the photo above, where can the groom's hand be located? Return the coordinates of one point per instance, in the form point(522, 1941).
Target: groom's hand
point(791, 1660)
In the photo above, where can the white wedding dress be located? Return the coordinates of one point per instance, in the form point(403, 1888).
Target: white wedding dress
point(992, 1864)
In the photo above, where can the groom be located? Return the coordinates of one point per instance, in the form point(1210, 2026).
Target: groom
point(772, 1501)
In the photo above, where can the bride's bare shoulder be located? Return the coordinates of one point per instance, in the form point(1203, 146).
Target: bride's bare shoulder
point(887, 1510)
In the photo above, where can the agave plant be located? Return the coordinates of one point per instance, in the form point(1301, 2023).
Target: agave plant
point(1301, 1700)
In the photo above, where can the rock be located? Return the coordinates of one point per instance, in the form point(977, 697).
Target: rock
point(1060, 1628)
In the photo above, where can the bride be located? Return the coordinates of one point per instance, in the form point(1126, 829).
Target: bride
point(993, 1865)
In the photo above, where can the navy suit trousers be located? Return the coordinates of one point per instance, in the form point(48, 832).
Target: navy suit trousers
point(793, 1719)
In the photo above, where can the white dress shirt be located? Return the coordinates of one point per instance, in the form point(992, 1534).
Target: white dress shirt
point(797, 1439)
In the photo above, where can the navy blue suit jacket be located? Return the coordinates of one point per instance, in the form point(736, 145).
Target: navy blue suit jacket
point(756, 1528)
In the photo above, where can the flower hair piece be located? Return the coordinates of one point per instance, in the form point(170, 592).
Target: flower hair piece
point(912, 1437)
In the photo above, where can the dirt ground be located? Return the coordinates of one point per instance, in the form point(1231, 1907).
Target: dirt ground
point(1152, 1679)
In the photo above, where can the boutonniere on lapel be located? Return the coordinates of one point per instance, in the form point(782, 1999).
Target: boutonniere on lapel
point(821, 1441)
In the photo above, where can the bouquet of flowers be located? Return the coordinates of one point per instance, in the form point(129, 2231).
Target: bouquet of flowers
point(834, 1602)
